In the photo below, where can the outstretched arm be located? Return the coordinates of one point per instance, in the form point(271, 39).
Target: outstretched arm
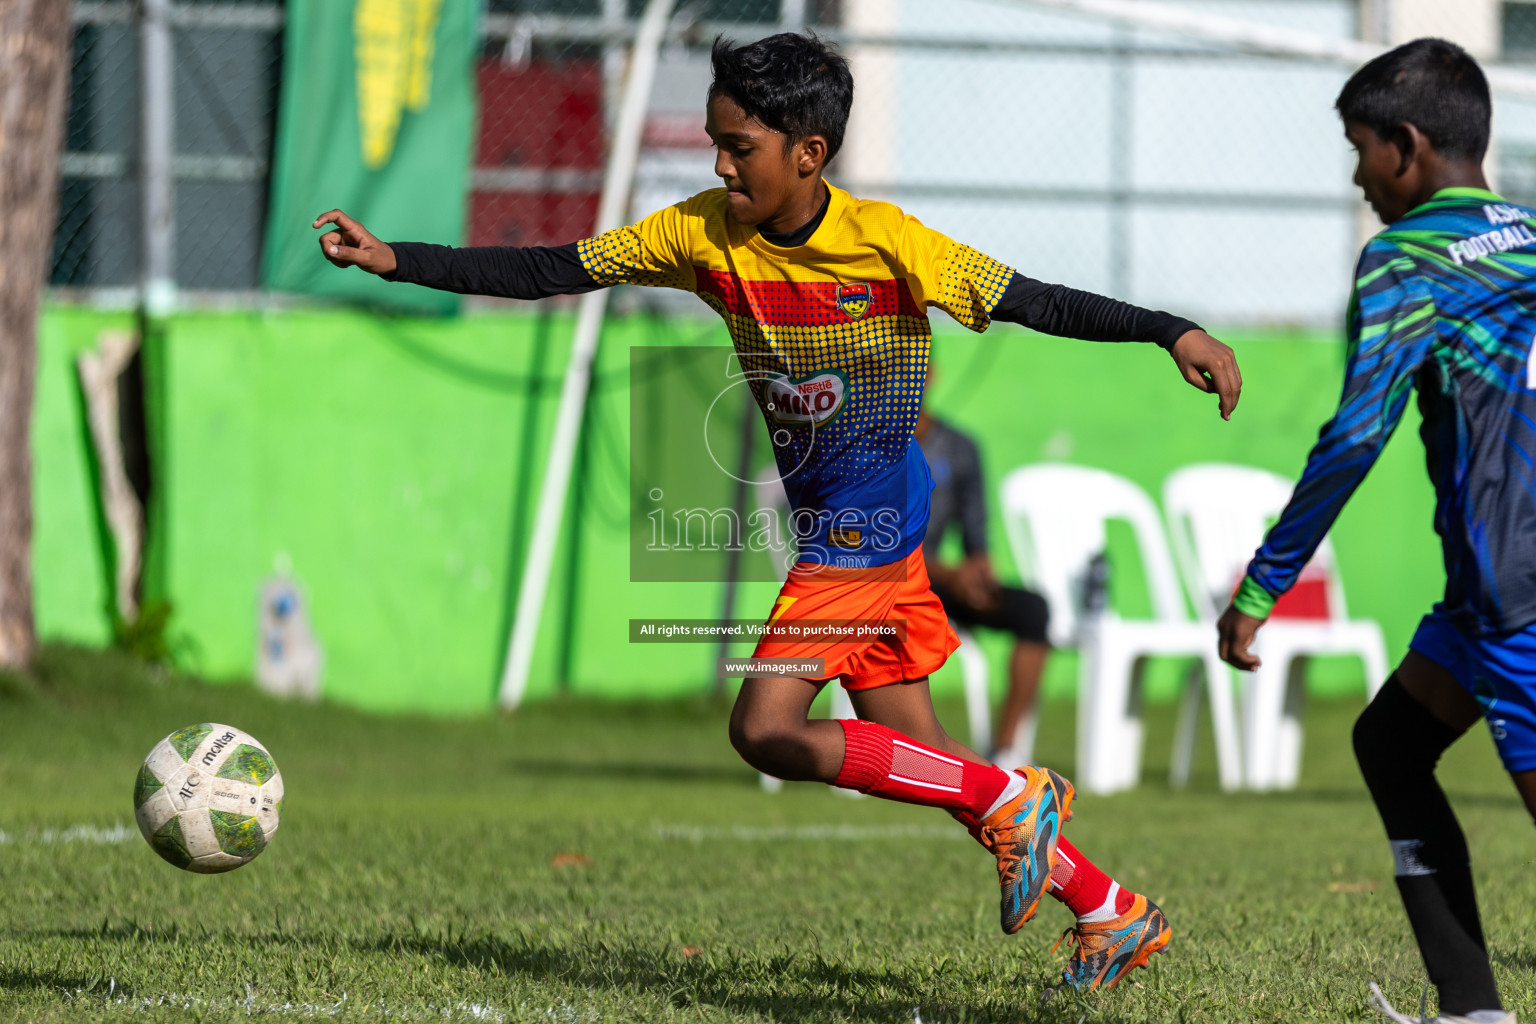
point(1070, 313)
point(504, 271)
point(1392, 329)
point(975, 289)
point(513, 272)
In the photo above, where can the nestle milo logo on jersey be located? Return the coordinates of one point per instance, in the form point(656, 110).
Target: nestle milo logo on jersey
point(853, 299)
point(796, 403)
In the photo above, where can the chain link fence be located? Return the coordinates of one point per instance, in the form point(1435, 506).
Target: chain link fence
point(98, 195)
point(227, 62)
point(1158, 166)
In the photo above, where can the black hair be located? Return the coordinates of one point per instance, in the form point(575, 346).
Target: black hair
point(792, 83)
point(1433, 85)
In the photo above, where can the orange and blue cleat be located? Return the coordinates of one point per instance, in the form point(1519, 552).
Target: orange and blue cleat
point(1109, 950)
point(1022, 835)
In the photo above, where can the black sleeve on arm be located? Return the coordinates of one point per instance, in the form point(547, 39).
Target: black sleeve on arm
point(1069, 313)
point(506, 271)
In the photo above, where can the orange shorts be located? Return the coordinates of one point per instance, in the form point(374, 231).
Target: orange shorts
point(897, 592)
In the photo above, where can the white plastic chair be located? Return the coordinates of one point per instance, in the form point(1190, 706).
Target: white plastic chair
point(1055, 516)
point(768, 494)
point(976, 675)
point(1021, 751)
point(1217, 516)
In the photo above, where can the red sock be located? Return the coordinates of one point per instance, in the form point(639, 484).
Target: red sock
point(884, 763)
point(1079, 883)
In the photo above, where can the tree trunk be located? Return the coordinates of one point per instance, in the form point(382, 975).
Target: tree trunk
point(34, 64)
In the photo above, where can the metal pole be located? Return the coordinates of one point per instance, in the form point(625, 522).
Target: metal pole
point(611, 209)
point(1122, 125)
point(1259, 37)
point(613, 14)
point(157, 140)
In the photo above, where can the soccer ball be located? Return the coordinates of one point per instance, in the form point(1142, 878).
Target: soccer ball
point(208, 798)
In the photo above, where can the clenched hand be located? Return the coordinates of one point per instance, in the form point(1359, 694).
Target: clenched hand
point(354, 245)
point(1234, 635)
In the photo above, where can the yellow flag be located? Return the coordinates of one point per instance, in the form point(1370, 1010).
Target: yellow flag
point(394, 40)
point(377, 117)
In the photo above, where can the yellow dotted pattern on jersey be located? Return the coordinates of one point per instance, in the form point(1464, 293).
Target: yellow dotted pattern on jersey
point(620, 257)
point(971, 284)
point(883, 359)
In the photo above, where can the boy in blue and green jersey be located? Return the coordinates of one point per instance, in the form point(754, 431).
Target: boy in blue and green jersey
point(1444, 302)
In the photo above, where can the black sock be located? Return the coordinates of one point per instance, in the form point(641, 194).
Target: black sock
point(1398, 742)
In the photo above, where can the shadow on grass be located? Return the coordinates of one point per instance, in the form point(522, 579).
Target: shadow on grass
point(786, 986)
point(555, 768)
point(125, 932)
point(17, 981)
point(1340, 795)
point(1524, 960)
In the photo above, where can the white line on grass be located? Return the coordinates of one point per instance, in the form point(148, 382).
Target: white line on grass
point(253, 1005)
point(803, 833)
point(121, 833)
point(118, 833)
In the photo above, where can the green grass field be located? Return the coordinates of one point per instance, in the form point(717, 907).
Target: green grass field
point(606, 862)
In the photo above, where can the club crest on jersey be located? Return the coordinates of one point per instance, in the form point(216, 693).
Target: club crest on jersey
point(853, 299)
point(797, 403)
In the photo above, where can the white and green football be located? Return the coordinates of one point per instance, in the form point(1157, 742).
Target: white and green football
point(208, 798)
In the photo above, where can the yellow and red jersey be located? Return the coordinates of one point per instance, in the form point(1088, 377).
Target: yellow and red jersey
point(833, 338)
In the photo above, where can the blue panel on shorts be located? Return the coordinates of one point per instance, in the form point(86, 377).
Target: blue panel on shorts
point(1499, 671)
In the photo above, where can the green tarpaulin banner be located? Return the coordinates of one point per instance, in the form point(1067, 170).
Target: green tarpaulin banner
point(377, 118)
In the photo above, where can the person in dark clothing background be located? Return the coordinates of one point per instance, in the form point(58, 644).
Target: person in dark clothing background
point(969, 590)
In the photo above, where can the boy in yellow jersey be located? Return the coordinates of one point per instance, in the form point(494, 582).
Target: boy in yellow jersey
point(825, 297)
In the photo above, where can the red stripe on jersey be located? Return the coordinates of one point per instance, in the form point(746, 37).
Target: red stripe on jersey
point(804, 303)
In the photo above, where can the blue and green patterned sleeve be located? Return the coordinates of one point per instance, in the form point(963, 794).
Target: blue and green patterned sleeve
point(1391, 324)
